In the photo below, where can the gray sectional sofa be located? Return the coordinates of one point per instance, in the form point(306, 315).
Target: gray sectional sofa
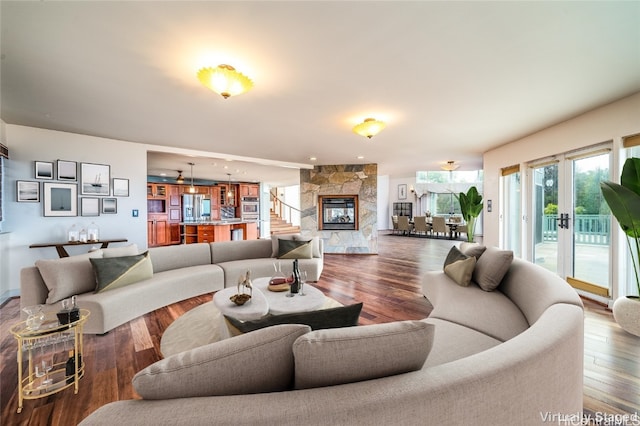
point(511, 356)
point(179, 272)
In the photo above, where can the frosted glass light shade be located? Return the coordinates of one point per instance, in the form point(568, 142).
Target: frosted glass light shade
point(225, 80)
point(369, 127)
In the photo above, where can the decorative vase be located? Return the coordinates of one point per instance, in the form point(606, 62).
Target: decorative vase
point(35, 316)
point(626, 311)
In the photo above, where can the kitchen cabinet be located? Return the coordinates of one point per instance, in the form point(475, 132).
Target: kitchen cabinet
point(215, 203)
point(156, 191)
point(228, 195)
point(157, 230)
point(198, 189)
point(248, 190)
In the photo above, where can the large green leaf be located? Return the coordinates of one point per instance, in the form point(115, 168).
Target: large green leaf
point(625, 206)
point(630, 177)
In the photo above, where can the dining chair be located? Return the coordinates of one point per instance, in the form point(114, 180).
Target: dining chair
point(394, 222)
point(439, 226)
point(403, 225)
point(420, 226)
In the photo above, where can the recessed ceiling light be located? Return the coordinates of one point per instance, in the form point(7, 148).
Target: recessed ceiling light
point(163, 174)
point(312, 158)
point(360, 157)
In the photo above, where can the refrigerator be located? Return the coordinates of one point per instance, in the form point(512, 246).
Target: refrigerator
point(196, 208)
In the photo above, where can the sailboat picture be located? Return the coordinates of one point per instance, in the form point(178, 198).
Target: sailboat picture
point(95, 179)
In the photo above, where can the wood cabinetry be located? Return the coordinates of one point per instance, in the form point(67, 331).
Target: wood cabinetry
point(248, 190)
point(198, 189)
point(215, 203)
point(158, 230)
point(228, 195)
point(175, 213)
point(156, 190)
point(206, 233)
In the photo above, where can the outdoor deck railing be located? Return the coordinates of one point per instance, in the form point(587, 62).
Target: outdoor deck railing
point(588, 228)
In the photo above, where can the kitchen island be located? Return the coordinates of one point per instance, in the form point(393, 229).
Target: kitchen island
point(217, 230)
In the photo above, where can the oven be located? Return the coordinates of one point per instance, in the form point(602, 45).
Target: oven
point(250, 208)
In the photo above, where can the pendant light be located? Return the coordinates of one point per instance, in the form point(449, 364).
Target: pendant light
point(180, 178)
point(192, 189)
point(229, 190)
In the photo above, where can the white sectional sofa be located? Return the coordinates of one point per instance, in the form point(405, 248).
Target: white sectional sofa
point(179, 272)
point(512, 356)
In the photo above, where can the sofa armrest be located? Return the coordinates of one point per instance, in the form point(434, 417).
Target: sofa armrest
point(33, 290)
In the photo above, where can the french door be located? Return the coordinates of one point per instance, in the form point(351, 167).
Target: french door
point(571, 224)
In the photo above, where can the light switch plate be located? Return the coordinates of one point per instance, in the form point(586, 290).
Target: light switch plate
point(134, 212)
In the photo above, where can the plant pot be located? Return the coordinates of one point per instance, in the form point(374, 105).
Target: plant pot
point(626, 311)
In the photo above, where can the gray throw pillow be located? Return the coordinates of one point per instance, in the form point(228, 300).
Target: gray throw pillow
point(346, 355)
point(261, 361)
point(491, 267)
point(68, 276)
point(459, 267)
point(343, 316)
point(294, 249)
point(116, 272)
point(472, 249)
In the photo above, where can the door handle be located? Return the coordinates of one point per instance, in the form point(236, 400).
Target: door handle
point(563, 220)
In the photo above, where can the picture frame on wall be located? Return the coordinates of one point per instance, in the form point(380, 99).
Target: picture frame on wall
point(120, 187)
point(95, 179)
point(27, 191)
point(402, 191)
point(67, 170)
point(109, 205)
point(90, 206)
point(60, 199)
point(43, 170)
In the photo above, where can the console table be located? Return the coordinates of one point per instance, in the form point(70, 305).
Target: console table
point(63, 253)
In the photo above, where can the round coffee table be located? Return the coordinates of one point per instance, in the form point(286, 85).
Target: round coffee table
point(279, 303)
point(255, 308)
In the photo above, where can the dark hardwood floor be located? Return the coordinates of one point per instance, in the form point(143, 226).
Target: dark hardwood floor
point(389, 286)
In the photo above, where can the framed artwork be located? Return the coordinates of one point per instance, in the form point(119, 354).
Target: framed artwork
point(120, 187)
point(67, 170)
point(44, 170)
point(95, 179)
point(402, 191)
point(90, 206)
point(109, 205)
point(60, 199)
point(27, 191)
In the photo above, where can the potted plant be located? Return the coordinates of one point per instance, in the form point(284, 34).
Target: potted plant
point(471, 207)
point(624, 201)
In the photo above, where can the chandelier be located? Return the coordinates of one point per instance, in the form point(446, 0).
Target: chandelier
point(369, 127)
point(225, 80)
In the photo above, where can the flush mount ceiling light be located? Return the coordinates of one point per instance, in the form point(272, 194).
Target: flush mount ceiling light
point(225, 80)
point(450, 166)
point(369, 127)
point(180, 178)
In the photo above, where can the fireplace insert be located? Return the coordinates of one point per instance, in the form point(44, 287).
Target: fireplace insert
point(338, 212)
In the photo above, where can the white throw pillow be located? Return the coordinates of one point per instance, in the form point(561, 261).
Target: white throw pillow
point(255, 362)
point(345, 355)
point(68, 276)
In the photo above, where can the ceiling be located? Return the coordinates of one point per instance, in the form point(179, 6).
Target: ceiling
point(450, 79)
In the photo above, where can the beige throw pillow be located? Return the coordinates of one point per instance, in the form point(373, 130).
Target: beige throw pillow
point(345, 355)
point(491, 267)
point(472, 249)
point(256, 362)
point(68, 276)
point(461, 271)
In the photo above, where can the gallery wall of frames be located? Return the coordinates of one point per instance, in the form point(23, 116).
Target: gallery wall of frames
point(68, 188)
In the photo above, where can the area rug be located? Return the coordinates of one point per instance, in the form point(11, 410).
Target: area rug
point(201, 326)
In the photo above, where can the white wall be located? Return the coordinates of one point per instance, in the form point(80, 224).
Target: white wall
point(384, 205)
point(25, 221)
point(608, 123)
